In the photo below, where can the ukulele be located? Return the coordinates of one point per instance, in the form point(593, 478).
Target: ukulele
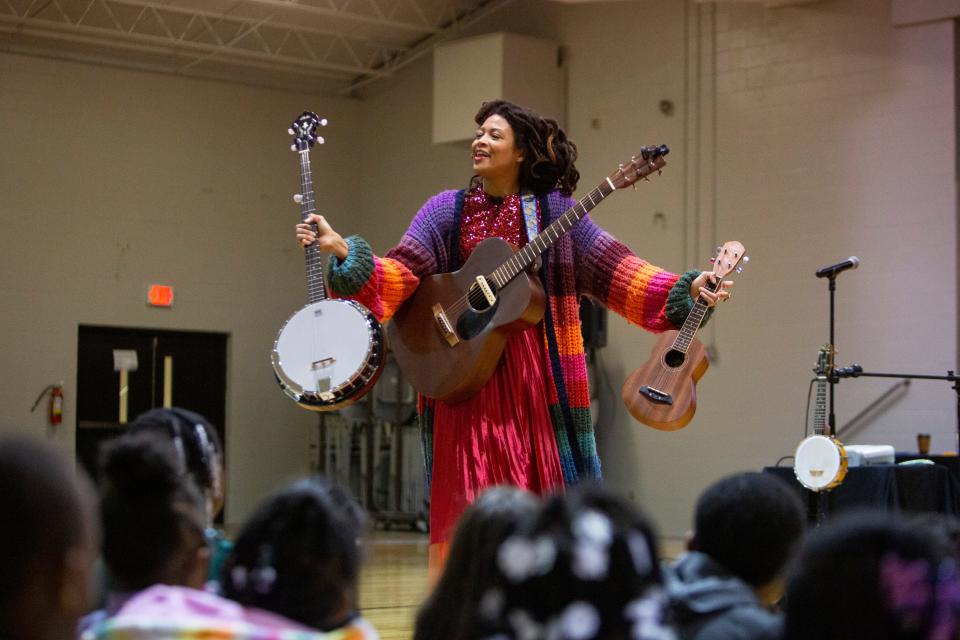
point(662, 394)
point(448, 337)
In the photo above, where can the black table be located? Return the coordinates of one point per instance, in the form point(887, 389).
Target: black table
point(914, 488)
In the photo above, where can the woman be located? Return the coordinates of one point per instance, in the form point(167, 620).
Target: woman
point(530, 424)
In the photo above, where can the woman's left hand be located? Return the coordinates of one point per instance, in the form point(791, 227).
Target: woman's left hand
point(711, 298)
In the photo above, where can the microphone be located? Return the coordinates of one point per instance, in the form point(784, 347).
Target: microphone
point(828, 272)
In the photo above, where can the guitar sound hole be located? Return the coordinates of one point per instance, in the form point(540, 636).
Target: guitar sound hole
point(478, 301)
point(673, 358)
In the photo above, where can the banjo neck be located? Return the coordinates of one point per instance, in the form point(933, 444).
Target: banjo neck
point(316, 286)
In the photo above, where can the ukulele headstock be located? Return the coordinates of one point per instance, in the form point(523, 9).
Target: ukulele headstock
point(304, 131)
point(649, 159)
point(728, 258)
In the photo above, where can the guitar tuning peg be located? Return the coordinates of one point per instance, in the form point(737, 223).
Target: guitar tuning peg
point(712, 260)
point(293, 147)
point(290, 130)
point(323, 122)
point(297, 198)
point(320, 140)
point(746, 258)
point(718, 249)
point(739, 269)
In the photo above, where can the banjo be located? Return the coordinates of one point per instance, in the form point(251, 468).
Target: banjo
point(820, 462)
point(331, 352)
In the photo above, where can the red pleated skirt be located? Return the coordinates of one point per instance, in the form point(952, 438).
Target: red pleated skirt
point(502, 435)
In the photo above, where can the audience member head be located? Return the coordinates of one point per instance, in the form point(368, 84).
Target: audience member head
point(197, 448)
point(299, 555)
point(585, 566)
point(48, 542)
point(469, 571)
point(153, 516)
point(750, 524)
point(872, 575)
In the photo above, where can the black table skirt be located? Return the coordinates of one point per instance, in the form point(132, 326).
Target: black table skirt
point(913, 488)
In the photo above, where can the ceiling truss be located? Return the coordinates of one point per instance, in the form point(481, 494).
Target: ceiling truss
point(325, 46)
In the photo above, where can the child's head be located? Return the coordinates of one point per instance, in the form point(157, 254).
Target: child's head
point(585, 566)
point(48, 542)
point(153, 516)
point(197, 448)
point(749, 523)
point(470, 566)
point(872, 575)
point(299, 555)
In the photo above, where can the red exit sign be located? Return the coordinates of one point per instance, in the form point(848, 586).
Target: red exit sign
point(160, 295)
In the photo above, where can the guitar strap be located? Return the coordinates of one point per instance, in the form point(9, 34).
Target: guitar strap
point(530, 221)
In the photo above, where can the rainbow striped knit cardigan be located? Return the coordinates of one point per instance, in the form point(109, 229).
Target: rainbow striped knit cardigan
point(586, 261)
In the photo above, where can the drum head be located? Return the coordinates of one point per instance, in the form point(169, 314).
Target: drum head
point(324, 346)
point(818, 462)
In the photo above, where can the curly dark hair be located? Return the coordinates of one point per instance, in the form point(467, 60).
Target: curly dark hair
point(548, 155)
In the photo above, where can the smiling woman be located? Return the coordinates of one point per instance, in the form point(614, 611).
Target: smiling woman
point(529, 423)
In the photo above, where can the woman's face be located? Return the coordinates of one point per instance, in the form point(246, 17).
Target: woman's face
point(495, 154)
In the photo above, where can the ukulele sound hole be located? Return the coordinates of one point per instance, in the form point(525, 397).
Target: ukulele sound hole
point(673, 358)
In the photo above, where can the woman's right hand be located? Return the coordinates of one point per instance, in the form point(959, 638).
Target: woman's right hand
point(323, 234)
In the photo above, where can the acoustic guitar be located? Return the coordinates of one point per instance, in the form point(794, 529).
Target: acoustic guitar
point(448, 337)
point(662, 394)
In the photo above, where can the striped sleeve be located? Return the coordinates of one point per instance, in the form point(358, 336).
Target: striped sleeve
point(630, 286)
point(382, 284)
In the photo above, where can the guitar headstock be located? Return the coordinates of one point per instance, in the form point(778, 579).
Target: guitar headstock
point(304, 131)
point(728, 257)
point(824, 360)
point(649, 160)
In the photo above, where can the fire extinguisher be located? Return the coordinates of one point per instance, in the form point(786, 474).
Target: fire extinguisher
point(55, 415)
point(55, 406)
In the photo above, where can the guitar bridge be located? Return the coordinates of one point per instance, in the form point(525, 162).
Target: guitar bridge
point(444, 326)
point(655, 395)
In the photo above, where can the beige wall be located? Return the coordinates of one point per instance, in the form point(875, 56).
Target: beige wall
point(112, 179)
point(810, 133)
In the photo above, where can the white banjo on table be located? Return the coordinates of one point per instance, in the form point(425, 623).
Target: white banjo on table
point(820, 462)
point(331, 352)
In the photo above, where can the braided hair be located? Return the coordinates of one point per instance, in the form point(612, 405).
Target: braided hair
point(548, 156)
point(299, 555)
point(196, 444)
point(152, 515)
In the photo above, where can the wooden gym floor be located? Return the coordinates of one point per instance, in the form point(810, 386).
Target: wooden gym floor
point(393, 582)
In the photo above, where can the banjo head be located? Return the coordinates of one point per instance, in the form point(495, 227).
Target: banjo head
point(328, 354)
point(820, 463)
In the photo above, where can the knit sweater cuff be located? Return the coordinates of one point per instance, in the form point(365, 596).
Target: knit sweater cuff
point(348, 276)
point(679, 302)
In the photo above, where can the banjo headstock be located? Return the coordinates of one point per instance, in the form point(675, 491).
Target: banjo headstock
point(304, 131)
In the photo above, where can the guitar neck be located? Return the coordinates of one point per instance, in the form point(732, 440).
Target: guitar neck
point(693, 322)
point(522, 259)
point(316, 287)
